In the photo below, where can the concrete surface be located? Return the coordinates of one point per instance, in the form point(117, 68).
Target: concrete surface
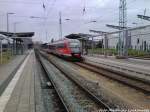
point(22, 98)
point(7, 71)
point(133, 67)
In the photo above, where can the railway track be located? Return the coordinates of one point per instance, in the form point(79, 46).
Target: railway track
point(104, 95)
point(110, 92)
point(123, 78)
point(74, 95)
point(51, 97)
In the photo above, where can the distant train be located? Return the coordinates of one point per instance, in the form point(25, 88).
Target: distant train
point(68, 48)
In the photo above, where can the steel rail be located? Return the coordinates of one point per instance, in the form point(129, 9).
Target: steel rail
point(96, 99)
point(118, 76)
point(57, 91)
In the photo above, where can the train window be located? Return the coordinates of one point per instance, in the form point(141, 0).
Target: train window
point(61, 45)
point(51, 47)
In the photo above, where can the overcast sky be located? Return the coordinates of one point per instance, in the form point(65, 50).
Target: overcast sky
point(103, 11)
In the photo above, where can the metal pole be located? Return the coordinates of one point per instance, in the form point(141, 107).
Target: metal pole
point(8, 29)
point(46, 36)
point(14, 38)
point(102, 46)
point(1, 52)
point(9, 47)
point(60, 25)
point(106, 45)
point(8, 32)
point(123, 24)
point(126, 43)
point(15, 27)
point(7, 22)
point(92, 45)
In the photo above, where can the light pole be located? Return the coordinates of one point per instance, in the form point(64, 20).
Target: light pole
point(14, 41)
point(15, 29)
point(31, 17)
point(15, 26)
point(9, 13)
point(93, 21)
point(60, 26)
point(36, 17)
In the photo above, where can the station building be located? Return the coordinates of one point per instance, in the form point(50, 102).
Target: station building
point(139, 39)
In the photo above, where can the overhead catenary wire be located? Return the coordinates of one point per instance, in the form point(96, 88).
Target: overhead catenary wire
point(21, 2)
point(50, 8)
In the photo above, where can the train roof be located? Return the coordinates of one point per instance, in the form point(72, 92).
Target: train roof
point(64, 40)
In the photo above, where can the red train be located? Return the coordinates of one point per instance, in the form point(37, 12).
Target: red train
point(68, 48)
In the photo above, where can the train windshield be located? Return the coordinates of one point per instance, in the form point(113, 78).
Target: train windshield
point(75, 47)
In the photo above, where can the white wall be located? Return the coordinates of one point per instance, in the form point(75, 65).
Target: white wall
point(142, 34)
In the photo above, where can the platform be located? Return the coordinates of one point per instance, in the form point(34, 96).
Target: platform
point(19, 95)
point(135, 67)
point(7, 70)
point(128, 60)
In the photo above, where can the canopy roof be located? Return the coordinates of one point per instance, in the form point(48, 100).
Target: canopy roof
point(16, 36)
point(79, 36)
point(3, 37)
point(20, 34)
point(73, 36)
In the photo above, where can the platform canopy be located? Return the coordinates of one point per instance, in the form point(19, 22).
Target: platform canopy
point(2, 37)
point(17, 36)
point(80, 36)
point(20, 34)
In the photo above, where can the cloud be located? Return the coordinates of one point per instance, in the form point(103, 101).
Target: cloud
point(103, 11)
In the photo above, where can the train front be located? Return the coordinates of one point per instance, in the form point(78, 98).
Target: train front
point(75, 48)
